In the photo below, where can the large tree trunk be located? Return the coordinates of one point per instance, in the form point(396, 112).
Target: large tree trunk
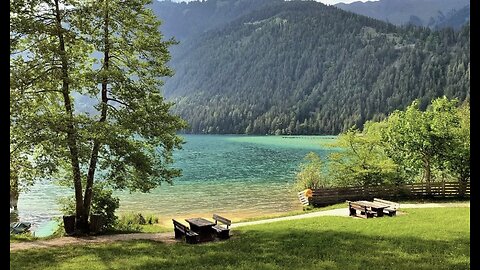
point(14, 191)
point(81, 223)
point(103, 116)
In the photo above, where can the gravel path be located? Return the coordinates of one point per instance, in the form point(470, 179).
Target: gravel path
point(168, 237)
point(343, 212)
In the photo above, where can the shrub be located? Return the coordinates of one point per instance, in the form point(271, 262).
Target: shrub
point(127, 223)
point(151, 219)
point(131, 222)
point(103, 204)
point(310, 174)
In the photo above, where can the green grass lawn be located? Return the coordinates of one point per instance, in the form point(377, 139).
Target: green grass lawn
point(437, 238)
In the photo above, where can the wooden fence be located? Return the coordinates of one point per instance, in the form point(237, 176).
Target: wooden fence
point(327, 196)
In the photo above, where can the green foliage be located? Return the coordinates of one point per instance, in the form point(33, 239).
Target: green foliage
point(409, 145)
point(127, 133)
point(125, 226)
point(310, 173)
point(363, 160)
point(22, 237)
point(103, 204)
point(151, 219)
point(457, 160)
point(132, 222)
point(423, 141)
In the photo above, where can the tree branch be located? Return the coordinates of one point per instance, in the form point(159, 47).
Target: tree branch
point(41, 91)
point(119, 101)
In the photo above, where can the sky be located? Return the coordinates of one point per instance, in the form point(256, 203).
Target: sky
point(327, 2)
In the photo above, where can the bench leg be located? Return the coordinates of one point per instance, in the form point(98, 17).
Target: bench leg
point(352, 211)
point(224, 235)
point(178, 234)
point(191, 239)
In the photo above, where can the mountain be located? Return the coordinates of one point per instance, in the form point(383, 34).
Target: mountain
point(186, 20)
point(429, 13)
point(301, 67)
point(455, 19)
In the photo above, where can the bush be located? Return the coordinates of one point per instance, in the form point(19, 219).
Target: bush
point(151, 219)
point(310, 174)
point(131, 222)
point(103, 204)
point(127, 224)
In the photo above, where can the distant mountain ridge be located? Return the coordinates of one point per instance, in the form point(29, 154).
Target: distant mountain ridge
point(429, 13)
point(455, 19)
point(185, 20)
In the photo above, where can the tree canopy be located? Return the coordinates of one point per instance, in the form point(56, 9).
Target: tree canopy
point(410, 145)
point(426, 140)
point(131, 134)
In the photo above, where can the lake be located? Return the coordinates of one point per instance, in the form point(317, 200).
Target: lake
point(232, 175)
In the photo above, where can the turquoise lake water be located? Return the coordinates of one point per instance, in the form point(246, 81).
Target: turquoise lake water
point(236, 176)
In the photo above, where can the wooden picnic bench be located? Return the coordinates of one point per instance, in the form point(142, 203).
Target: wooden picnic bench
point(392, 208)
point(182, 231)
point(365, 212)
point(221, 231)
point(203, 227)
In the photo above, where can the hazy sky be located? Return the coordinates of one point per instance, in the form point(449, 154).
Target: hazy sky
point(328, 2)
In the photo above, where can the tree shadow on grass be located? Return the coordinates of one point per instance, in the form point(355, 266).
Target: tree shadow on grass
point(262, 249)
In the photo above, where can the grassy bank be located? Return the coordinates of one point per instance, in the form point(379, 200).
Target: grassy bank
point(437, 238)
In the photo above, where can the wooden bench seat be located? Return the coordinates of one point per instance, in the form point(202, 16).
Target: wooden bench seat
point(221, 231)
point(392, 208)
point(182, 231)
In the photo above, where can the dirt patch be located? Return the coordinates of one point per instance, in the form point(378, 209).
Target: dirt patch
point(61, 241)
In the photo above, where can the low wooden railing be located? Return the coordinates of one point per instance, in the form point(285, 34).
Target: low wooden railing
point(326, 196)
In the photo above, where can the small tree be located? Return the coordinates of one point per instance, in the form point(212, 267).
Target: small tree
point(422, 141)
point(310, 173)
point(458, 159)
point(362, 160)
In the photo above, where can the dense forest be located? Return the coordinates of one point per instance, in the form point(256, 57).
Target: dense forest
point(302, 67)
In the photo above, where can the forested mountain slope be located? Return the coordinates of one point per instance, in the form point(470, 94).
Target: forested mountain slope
point(306, 68)
point(186, 20)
